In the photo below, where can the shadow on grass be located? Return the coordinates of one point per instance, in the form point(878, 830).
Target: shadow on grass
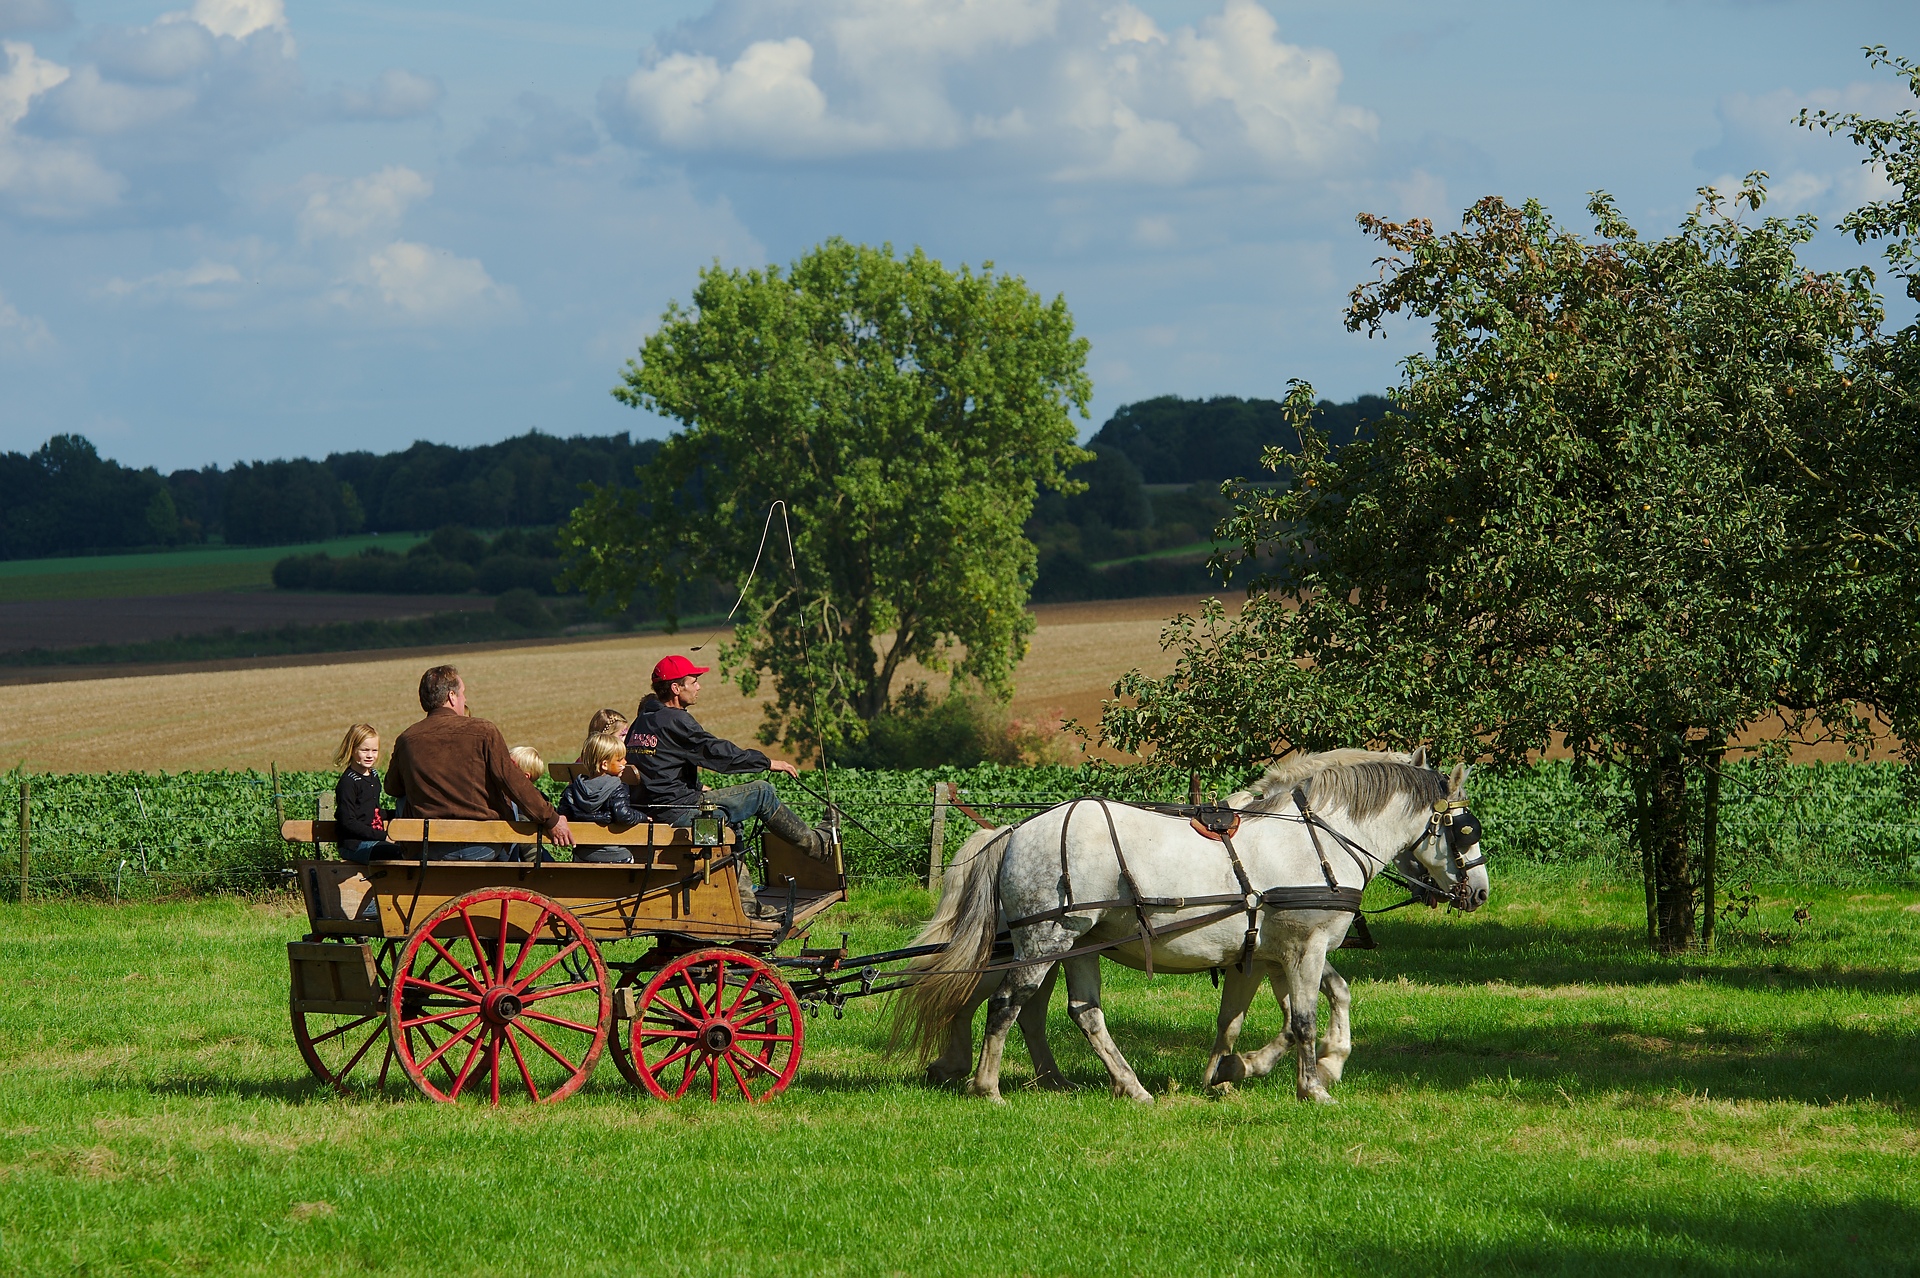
point(1745, 1236)
point(1524, 954)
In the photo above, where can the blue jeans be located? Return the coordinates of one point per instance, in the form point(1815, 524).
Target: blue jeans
point(738, 803)
point(361, 851)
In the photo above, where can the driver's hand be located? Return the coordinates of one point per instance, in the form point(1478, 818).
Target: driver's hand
point(782, 766)
point(561, 834)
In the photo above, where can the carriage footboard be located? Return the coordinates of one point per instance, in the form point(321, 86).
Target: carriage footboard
point(335, 979)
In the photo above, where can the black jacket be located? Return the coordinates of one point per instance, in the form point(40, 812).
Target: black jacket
point(601, 799)
point(668, 747)
point(356, 807)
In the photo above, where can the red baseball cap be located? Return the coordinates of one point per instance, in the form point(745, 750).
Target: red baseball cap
point(676, 667)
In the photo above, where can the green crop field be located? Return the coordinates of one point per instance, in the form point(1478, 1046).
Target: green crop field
point(169, 572)
point(1529, 1092)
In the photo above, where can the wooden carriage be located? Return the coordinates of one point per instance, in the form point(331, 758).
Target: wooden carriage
point(494, 975)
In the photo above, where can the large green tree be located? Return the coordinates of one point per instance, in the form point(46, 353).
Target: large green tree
point(907, 414)
point(1594, 516)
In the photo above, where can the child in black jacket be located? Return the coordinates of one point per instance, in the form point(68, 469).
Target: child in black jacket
point(356, 799)
point(597, 794)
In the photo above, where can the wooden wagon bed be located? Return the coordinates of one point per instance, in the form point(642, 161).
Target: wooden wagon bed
point(673, 884)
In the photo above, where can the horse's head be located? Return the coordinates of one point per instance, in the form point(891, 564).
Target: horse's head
point(1447, 854)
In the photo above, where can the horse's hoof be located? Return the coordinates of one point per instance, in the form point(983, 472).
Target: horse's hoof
point(1231, 1069)
point(1052, 1081)
point(1139, 1095)
point(1328, 1074)
point(1221, 1088)
point(1318, 1095)
point(940, 1076)
point(986, 1093)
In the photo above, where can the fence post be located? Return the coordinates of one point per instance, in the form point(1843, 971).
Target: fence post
point(937, 848)
point(279, 808)
point(26, 809)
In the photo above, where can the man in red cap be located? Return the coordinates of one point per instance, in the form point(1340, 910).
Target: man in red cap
point(667, 747)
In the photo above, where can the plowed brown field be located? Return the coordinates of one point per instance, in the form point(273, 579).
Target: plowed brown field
point(294, 715)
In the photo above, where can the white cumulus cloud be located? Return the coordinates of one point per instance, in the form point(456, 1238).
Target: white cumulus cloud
point(371, 205)
point(200, 278)
point(395, 94)
point(21, 334)
point(425, 283)
point(1083, 90)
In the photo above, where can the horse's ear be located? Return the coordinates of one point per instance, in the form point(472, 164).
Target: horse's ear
point(1419, 759)
point(1457, 779)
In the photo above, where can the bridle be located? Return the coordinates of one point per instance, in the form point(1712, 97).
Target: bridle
point(1453, 823)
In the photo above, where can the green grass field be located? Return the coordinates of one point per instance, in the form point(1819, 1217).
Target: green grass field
point(169, 572)
point(1530, 1092)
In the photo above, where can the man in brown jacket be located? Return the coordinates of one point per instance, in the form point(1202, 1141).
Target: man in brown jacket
point(452, 767)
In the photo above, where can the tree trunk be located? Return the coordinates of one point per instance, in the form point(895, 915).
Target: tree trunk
point(1643, 835)
point(1710, 840)
point(1673, 869)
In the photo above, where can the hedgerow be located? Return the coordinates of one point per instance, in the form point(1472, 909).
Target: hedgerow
point(137, 835)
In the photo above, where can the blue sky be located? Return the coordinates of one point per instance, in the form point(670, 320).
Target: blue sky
point(248, 229)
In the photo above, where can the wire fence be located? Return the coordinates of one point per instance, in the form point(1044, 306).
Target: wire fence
point(142, 836)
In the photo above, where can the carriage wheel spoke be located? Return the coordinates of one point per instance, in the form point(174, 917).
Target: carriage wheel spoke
point(693, 990)
point(542, 969)
point(449, 991)
point(466, 1066)
point(473, 939)
point(451, 1040)
point(355, 1058)
point(526, 944)
point(478, 985)
point(318, 1039)
point(555, 1020)
point(756, 1062)
point(734, 1006)
point(437, 1017)
point(542, 1044)
point(555, 991)
point(493, 1065)
point(526, 1075)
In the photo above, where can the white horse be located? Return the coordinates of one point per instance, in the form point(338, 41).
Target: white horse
point(1036, 877)
point(955, 1060)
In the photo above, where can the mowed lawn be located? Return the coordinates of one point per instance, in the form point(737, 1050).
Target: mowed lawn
point(1529, 1093)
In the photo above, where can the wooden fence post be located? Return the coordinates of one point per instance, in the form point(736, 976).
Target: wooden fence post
point(937, 848)
point(279, 807)
point(26, 809)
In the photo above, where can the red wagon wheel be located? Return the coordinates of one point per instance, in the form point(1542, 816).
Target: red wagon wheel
point(720, 1013)
point(500, 982)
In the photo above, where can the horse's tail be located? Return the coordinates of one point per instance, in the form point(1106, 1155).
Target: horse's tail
point(941, 984)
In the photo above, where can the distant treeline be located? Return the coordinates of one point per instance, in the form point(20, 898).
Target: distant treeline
point(1117, 540)
point(64, 498)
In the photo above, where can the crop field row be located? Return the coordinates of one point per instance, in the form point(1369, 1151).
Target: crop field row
point(140, 835)
point(1530, 1092)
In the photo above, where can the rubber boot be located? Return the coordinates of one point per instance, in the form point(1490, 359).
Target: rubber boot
point(815, 842)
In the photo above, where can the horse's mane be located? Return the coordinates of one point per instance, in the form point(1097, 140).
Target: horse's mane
point(1278, 781)
point(1360, 783)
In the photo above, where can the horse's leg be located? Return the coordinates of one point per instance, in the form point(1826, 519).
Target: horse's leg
point(1303, 968)
point(1339, 1044)
point(1003, 1009)
point(1083, 1003)
point(1236, 995)
point(956, 1058)
point(1033, 1029)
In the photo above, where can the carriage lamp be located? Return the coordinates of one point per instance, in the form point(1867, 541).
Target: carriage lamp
point(708, 829)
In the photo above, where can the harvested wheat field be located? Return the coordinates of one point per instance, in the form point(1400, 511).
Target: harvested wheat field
point(293, 715)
